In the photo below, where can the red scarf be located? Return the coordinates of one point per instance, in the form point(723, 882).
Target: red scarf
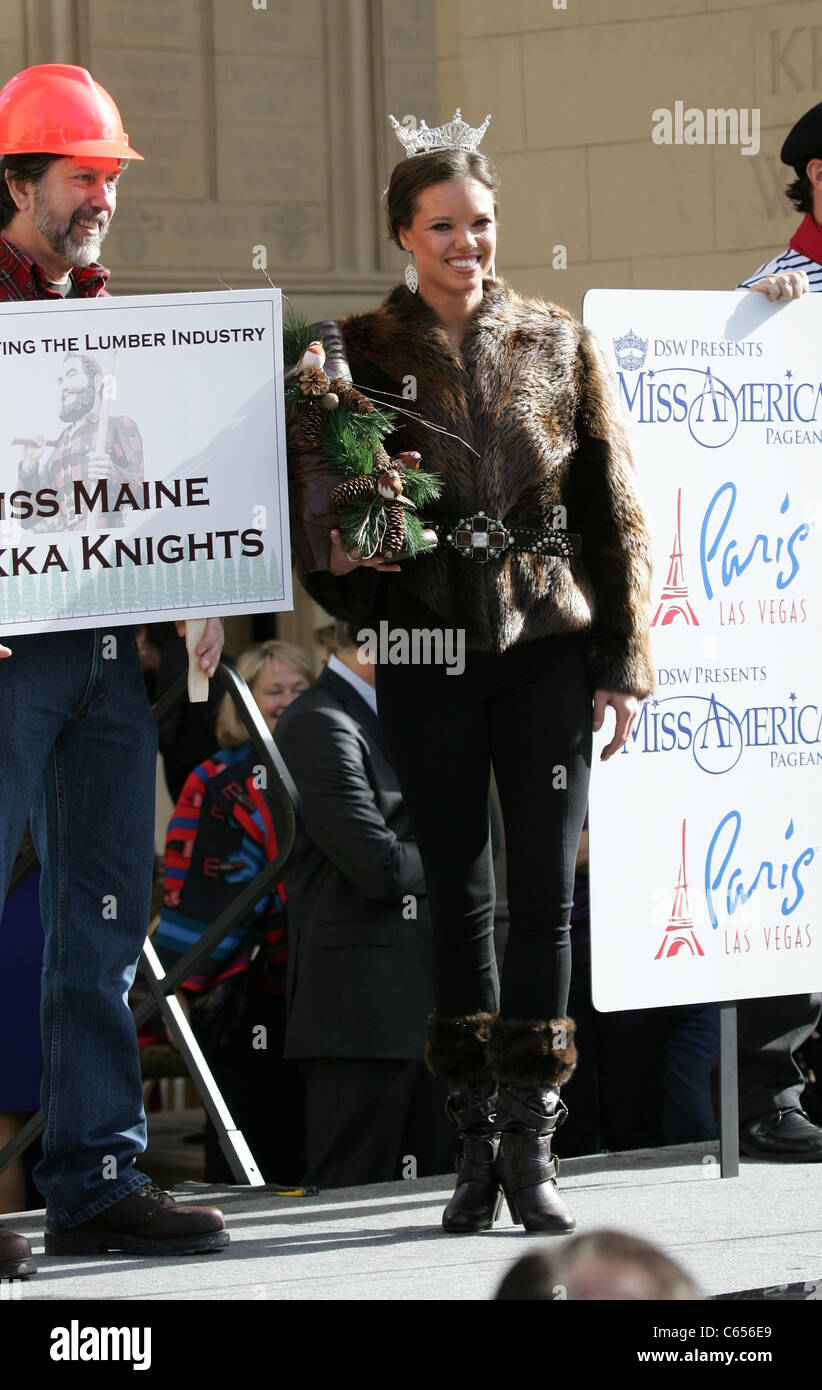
point(807, 239)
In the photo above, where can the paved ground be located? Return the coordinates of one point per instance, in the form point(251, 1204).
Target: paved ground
point(385, 1242)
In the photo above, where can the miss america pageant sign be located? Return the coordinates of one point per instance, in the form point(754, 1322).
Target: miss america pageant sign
point(143, 475)
point(706, 829)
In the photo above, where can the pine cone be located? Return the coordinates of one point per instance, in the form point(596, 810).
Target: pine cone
point(352, 489)
point(314, 382)
point(381, 460)
point(394, 538)
point(310, 426)
point(350, 397)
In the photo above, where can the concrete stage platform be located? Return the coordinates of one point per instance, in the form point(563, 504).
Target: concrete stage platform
point(385, 1242)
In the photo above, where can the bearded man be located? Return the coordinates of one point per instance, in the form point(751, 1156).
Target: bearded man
point(78, 746)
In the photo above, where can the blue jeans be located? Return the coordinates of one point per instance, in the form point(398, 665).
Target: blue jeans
point(690, 1052)
point(77, 755)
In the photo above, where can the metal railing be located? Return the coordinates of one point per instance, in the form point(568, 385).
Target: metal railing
point(162, 984)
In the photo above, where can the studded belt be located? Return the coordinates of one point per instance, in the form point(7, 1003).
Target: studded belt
point(484, 538)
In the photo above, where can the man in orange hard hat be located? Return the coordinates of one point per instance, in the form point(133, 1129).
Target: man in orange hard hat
point(78, 747)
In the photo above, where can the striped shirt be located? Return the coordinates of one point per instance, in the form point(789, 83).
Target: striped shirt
point(783, 264)
point(220, 838)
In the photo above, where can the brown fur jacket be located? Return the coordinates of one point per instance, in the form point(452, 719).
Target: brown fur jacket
point(530, 392)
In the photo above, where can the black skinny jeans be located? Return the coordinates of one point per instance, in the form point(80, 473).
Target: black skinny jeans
point(529, 713)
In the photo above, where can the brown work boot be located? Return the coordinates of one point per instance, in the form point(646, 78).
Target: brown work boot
point(146, 1222)
point(16, 1260)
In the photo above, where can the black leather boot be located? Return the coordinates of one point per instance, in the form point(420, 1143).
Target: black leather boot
point(531, 1059)
point(455, 1048)
point(477, 1197)
point(528, 1116)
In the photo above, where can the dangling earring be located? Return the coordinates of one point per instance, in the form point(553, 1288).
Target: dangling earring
point(412, 279)
point(492, 272)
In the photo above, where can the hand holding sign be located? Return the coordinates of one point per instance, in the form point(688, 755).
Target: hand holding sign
point(204, 640)
point(790, 285)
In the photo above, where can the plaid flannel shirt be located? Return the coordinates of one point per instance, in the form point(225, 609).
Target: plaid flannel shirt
point(69, 462)
point(22, 278)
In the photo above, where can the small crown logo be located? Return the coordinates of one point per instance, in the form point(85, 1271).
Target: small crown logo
point(455, 134)
point(630, 351)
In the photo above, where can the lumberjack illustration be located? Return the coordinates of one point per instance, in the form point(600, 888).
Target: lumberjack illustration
point(94, 446)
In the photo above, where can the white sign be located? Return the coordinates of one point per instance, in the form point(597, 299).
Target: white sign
point(706, 829)
point(143, 475)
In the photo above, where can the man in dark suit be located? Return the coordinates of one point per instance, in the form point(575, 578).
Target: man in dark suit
point(359, 943)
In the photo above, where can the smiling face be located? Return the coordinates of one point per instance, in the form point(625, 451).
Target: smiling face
point(276, 686)
point(72, 206)
point(63, 216)
point(453, 236)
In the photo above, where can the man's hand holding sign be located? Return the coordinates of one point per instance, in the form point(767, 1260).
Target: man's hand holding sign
point(77, 738)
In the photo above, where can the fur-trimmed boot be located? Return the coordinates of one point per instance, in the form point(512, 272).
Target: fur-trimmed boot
point(455, 1049)
point(531, 1059)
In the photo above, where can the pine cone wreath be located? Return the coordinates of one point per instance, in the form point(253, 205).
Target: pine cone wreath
point(349, 397)
point(310, 426)
point(394, 538)
point(352, 490)
point(314, 382)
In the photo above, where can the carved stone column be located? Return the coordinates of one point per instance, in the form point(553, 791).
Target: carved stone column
point(52, 31)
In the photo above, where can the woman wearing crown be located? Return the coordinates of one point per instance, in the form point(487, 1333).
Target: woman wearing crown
point(543, 562)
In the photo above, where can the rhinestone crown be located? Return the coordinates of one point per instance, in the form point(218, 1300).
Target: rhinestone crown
point(455, 134)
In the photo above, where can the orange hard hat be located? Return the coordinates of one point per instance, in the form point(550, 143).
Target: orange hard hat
point(56, 108)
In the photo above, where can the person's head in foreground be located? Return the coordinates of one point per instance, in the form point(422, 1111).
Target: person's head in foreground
point(600, 1266)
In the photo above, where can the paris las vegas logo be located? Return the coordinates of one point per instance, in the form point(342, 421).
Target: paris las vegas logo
point(679, 934)
point(674, 602)
point(630, 352)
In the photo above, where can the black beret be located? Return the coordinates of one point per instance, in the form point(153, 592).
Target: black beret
point(805, 141)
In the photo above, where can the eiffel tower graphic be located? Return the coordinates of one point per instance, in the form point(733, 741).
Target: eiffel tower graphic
point(674, 600)
point(680, 929)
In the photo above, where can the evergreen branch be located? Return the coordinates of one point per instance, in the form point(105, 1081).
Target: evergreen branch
point(298, 332)
point(363, 525)
point(295, 394)
point(422, 487)
point(350, 441)
point(415, 542)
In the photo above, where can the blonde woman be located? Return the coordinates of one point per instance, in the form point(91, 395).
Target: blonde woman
point(220, 837)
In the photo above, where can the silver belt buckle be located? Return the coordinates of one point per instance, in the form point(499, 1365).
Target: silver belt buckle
point(480, 537)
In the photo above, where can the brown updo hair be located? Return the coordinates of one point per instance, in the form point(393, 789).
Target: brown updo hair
point(411, 176)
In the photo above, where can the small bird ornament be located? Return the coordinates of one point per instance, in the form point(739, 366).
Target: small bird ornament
point(389, 484)
point(312, 356)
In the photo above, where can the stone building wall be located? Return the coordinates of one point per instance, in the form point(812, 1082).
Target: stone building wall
point(573, 87)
